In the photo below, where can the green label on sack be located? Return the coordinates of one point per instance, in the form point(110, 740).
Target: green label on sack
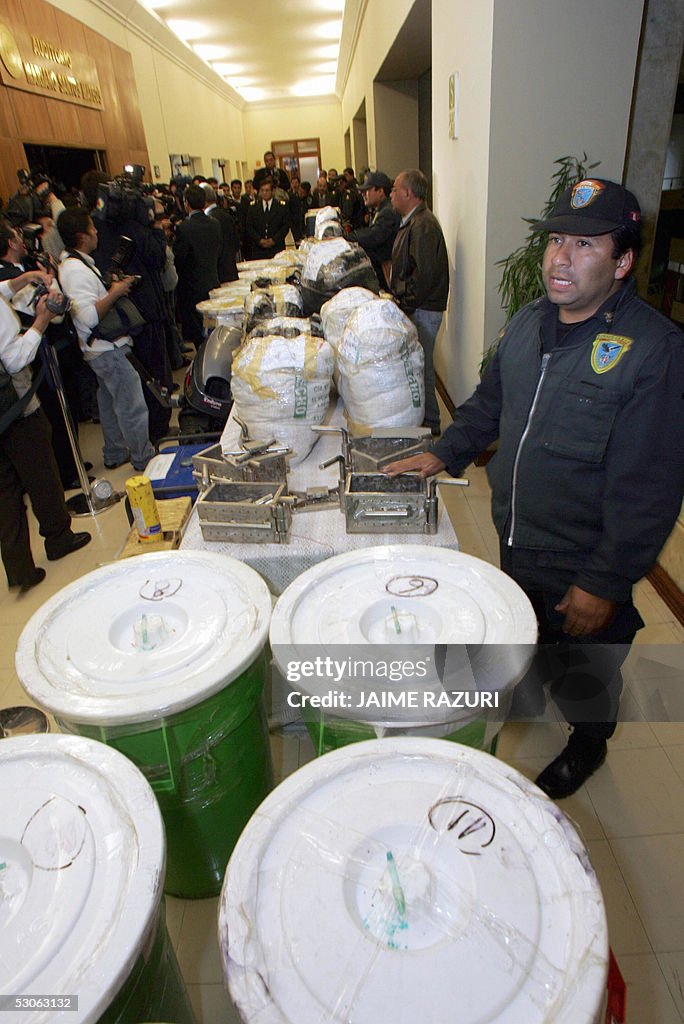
point(414, 386)
point(301, 397)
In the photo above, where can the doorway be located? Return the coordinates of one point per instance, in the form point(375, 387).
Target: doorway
point(299, 156)
point(65, 165)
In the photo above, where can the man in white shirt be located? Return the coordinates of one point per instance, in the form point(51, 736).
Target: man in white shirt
point(123, 412)
point(27, 464)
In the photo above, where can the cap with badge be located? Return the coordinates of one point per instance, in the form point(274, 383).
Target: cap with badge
point(376, 179)
point(593, 206)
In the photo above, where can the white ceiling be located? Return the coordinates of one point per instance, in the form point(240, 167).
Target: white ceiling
point(264, 49)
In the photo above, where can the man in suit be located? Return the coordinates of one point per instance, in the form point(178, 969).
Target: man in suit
point(378, 238)
point(196, 252)
point(325, 194)
point(227, 269)
point(279, 177)
point(268, 222)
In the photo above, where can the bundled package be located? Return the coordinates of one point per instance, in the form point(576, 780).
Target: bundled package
point(332, 265)
point(335, 311)
point(380, 368)
point(288, 327)
point(328, 224)
point(231, 290)
point(276, 273)
point(281, 388)
point(276, 300)
point(226, 310)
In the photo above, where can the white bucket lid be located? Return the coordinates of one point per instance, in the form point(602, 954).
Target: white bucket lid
point(407, 594)
point(144, 638)
point(83, 855)
point(404, 880)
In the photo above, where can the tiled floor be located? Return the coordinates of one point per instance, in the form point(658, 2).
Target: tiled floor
point(631, 812)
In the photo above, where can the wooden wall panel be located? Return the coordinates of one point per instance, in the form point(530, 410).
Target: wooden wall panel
point(8, 124)
point(32, 117)
point(26, 117)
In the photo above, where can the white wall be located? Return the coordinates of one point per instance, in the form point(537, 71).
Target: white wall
point(539, 79)
point(396, 125)
point(381, 23)
point(307, 120)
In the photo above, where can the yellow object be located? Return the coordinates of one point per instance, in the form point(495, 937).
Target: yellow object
point(143, 507)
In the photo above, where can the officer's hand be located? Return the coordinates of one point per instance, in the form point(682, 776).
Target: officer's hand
point(426, 464)
point(585, 613)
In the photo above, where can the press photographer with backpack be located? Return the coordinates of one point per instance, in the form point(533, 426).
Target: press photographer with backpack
point(104, 319)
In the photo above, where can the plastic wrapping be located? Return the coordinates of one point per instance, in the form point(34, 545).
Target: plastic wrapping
point(281, 388)
point(162, 657)
point(404, 600)
point(231, 290)
point(380, 365)
point(328, 224)
point(336, 311)
point(226, 310)
point(277, 300)
point(83, 865)
point(136, 641)
point(332, 265)
point(273, 274)
point(412, 880)
point(287, 327)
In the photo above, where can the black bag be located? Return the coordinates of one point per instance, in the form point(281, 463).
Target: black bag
point(11, 406)
point(122, 318)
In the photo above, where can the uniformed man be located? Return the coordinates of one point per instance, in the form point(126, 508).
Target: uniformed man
point(279, 177)
point(378, 238)
point(268, 222)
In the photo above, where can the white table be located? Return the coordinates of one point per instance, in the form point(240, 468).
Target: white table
point(315, 535)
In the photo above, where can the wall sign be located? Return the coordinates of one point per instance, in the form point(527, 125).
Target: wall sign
point(37, 65)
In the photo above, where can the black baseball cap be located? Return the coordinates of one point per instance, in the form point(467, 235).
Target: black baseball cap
point(376, 179)
point(593, 206)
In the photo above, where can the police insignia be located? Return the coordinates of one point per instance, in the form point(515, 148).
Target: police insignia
point(585, 192)
point(607, 351)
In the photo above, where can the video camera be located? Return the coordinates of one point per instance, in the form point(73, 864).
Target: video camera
point(124, 198)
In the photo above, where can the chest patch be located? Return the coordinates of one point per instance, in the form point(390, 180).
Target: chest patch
point(607, 351)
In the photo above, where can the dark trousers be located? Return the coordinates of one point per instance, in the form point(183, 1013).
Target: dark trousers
point(28, 465)
point(583, 671)
point(150, 348)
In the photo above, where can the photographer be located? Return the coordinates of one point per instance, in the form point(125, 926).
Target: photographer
point(123, 412)
point(14, 261)
point(26, 460)
point(126, 214)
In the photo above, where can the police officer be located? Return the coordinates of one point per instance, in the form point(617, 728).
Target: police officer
point(268, 222)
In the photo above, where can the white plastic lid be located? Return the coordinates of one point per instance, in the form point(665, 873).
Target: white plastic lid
point(82, 871)
point(442, 596)
point(393, 596)
point(412, 880)
point(144, 638)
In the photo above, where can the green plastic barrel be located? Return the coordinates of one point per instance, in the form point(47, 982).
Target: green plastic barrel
point(163, 657)
point(210, 767)
point(83, 916)
point(329, 732)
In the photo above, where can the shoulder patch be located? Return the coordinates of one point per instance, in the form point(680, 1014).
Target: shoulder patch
point(608, 350)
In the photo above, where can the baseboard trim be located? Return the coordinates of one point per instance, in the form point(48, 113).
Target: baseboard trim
point(666, 588)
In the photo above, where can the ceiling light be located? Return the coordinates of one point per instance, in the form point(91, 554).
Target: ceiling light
point(221, 68)
point(207, 51)
point(331, 52)
point(155, 5)
point(327, 30)
point(187, 30)
point(251, 93)
point(314, 86)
